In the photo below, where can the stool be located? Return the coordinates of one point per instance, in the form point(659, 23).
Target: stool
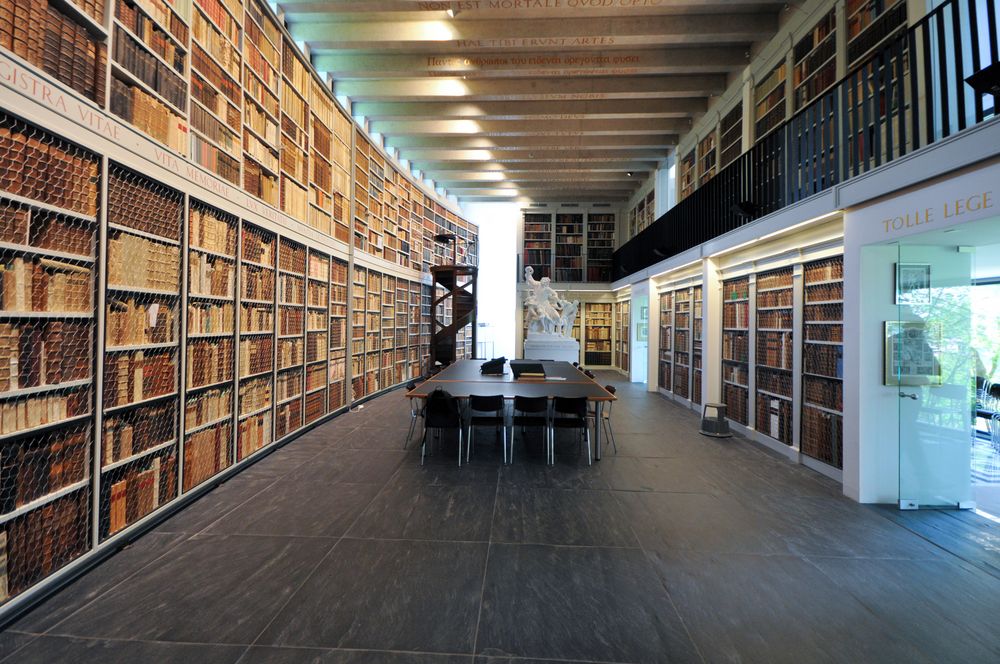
point(718, 426)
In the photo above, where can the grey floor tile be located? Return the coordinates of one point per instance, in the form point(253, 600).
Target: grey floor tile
point(219, 501)
point(534, 473)
point(696, 521)
point(557, 516)
point(356, 466)
point(302, 509)
point(945, 610)
point(118, 569)
point(211, 589)
point(518, 660)
point(390, 595)
point(286, 655)
point(774, 609)
point(404, 510)
point(679, 475)
point(838, 527)
point(51, 649)
point(13, 642)
point(578, 603)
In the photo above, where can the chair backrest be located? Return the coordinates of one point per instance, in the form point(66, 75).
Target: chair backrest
point(531, 404)
point(588, 373)
point(576, 406)
point(442, 410)
point(490, 404)
point(611, 388)
point(409, 386)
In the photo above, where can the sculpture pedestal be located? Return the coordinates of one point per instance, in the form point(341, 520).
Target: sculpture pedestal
point(551, 347)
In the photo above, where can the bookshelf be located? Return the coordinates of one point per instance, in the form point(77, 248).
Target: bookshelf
point(178, 306)
point(707, 158)
point(697, 323)
point(731, 136)
point(622, 338)
point(823, 361)
point(139, 447)
point(870, 23)
point(682, 343)
point(317, 335)
point(600, 246)
point(815, 62)
point(289, 387)
point(338, 334)
point(773, 365)
point(538, 244)
point(736, 348)
point(258, 253)
point(666, 346)
point(569, 255)
point(688, 179)
point(25, 26)
point(210, 332)
point(373, 327)
point(598, 322)
point(47, 318)
point(769, 102)
point(359, 280)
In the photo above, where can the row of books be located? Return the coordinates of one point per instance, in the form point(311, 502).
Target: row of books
point(211, 275)
point(133, 432)
point(43, 353)
point(138, 262)
point(209, 362)
point(45, 285)
point(42, 466)
point(138, 375)
point(148, 114)
point(289, 353)
point(136, 320)
point(206, 453)
point(147, 68)
point(143, 204)
point(207, 406)
point(151, 34)
point(33, 411)
point(210, 318)
point(257, 283)
point(774, 349)
point(823, 360)
point(826, 393)
point(42, 229)
point(255, 394)
point(141, 491)
point(254, 434)
point(255, 355)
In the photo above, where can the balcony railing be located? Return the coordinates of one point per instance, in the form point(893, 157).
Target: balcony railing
point(908, 94)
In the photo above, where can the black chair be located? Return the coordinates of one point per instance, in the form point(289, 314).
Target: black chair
point(605, 422)
point(416, 411)
point(441, 412)
point(588, 373)
point(493, 405)
point(569, 413)
point(534, 413)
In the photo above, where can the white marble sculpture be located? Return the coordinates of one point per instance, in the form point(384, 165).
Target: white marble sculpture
point(545, 312)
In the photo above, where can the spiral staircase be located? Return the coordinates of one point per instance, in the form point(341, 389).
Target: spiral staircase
point(453, 308)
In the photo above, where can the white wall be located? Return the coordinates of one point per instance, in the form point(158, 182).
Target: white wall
point(497, 272)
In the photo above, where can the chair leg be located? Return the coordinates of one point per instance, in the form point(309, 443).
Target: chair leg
point(459, 447)
point(505, 445)
point(610, 435)
point(423, 447)
point(409, 433)
point(469, 444)
point(590, 460)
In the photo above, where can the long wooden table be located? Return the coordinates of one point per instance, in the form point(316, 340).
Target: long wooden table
point(463, 380)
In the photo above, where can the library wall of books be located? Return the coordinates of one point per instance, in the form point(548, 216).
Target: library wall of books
point(569, 247)
point(154, 336)
point(781, 357)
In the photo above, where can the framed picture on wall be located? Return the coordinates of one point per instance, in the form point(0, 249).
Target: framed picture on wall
point(913, 283)
point(911, 353)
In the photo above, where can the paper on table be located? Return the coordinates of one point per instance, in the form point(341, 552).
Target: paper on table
point(555, 378)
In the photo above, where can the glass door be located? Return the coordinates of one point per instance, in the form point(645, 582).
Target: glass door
point(928, 360)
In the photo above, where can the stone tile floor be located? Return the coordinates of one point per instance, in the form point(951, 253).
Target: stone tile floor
point(340, 548)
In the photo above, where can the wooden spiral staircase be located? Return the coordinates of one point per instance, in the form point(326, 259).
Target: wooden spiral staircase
point(453, 307)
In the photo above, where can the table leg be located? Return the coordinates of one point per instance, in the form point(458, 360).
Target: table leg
point(598, 408)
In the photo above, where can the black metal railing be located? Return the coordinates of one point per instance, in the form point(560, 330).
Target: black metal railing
point(909, 93)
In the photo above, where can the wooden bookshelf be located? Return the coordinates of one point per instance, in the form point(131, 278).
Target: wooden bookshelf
point(871, 23)
point(815, 62)
point(622, 334)
point(338, 334)
point(317, 335)
point(600, 246)
point(731, 136)
point(598, 322)
point(823, 361)
point(569, 255)
point(769, 102)
point(258, 285)
point(262, 106)
point(707, 158)
point(538, 244)
point(46, 385)
point(413, 331)
point(697, 324)
point(682, 343)
point(290, 383)
point(139, 447)
point(688, 179)
point(666, 346)
point(341, 175)
point(209, 370)
point(773, 364)
point(736, 348)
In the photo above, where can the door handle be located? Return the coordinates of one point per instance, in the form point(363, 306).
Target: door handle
point(904, 395)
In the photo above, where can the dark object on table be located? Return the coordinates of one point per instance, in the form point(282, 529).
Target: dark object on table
point(493, 367)
point(524, 369)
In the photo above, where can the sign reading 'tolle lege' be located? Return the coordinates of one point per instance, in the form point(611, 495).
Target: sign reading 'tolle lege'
point(950, 209)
